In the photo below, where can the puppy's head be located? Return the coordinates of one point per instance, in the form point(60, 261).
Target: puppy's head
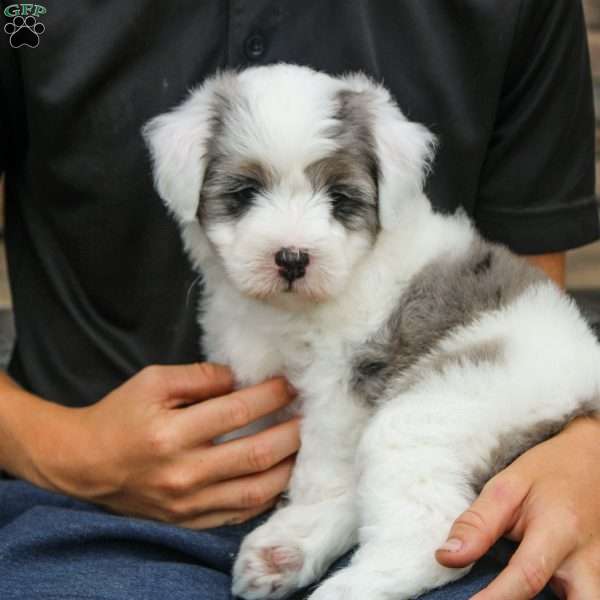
point(289, 174)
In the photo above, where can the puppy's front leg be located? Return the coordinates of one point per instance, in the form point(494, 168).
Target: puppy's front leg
point(297, 544)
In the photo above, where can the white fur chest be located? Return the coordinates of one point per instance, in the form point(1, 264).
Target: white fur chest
point(257, 341)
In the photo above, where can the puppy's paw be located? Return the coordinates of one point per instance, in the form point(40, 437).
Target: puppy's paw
point(292, 549)
point(267, 570)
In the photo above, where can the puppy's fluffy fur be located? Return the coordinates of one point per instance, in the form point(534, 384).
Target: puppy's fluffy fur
point(426, 358)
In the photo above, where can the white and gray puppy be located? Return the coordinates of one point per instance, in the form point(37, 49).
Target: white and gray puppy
point(426, 358)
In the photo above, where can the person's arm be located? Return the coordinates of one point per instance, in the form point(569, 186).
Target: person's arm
point(553, 264)
point(22, 415)
point(548, 501)
point(146, 448)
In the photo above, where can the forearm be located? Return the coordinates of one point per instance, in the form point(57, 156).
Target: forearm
point(554, 265)
point(26, 421)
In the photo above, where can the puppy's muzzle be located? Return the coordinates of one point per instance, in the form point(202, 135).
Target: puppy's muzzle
point(292, 263)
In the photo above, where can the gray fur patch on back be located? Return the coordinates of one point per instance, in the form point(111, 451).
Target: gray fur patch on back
point(444, 296)
point(512, 445)
point(488, 352)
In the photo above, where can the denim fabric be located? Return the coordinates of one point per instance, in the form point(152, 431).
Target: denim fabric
point(53, 547)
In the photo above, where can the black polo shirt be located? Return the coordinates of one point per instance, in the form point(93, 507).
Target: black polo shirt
point(100, 284)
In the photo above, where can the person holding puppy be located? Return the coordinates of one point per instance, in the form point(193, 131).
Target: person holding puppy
point(102, 290)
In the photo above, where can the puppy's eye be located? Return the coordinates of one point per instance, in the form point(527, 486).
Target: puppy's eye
point(245, 195)
point(339, 197)
point(343, 203)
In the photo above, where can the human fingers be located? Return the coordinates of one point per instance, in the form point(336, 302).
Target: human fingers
point(484, 522)
point(241, 494)
point(218, 416)
point(222, 518)
point(182, 384)
point(546, 543)
point(247, 455)
point(578, 577)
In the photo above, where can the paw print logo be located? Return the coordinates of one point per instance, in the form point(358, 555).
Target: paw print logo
point(24, 31)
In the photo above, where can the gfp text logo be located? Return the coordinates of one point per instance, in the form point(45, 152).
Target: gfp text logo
point(24, 29)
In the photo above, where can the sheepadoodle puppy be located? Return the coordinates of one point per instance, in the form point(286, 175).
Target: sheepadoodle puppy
point(426, 358)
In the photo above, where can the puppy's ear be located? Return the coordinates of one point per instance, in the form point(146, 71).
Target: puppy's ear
point(178, 143)
point(404, 152)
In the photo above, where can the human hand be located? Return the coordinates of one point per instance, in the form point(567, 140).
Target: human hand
point(146, 448)
point(549, 501)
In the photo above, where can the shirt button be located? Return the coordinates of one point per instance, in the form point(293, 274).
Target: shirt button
point(254, 46)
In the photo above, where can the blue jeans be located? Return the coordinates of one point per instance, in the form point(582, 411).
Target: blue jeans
point(53, 547)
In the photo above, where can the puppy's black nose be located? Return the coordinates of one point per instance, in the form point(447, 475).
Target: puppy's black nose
point(292, 263)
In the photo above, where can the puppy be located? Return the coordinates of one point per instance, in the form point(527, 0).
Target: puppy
point(426, 358)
